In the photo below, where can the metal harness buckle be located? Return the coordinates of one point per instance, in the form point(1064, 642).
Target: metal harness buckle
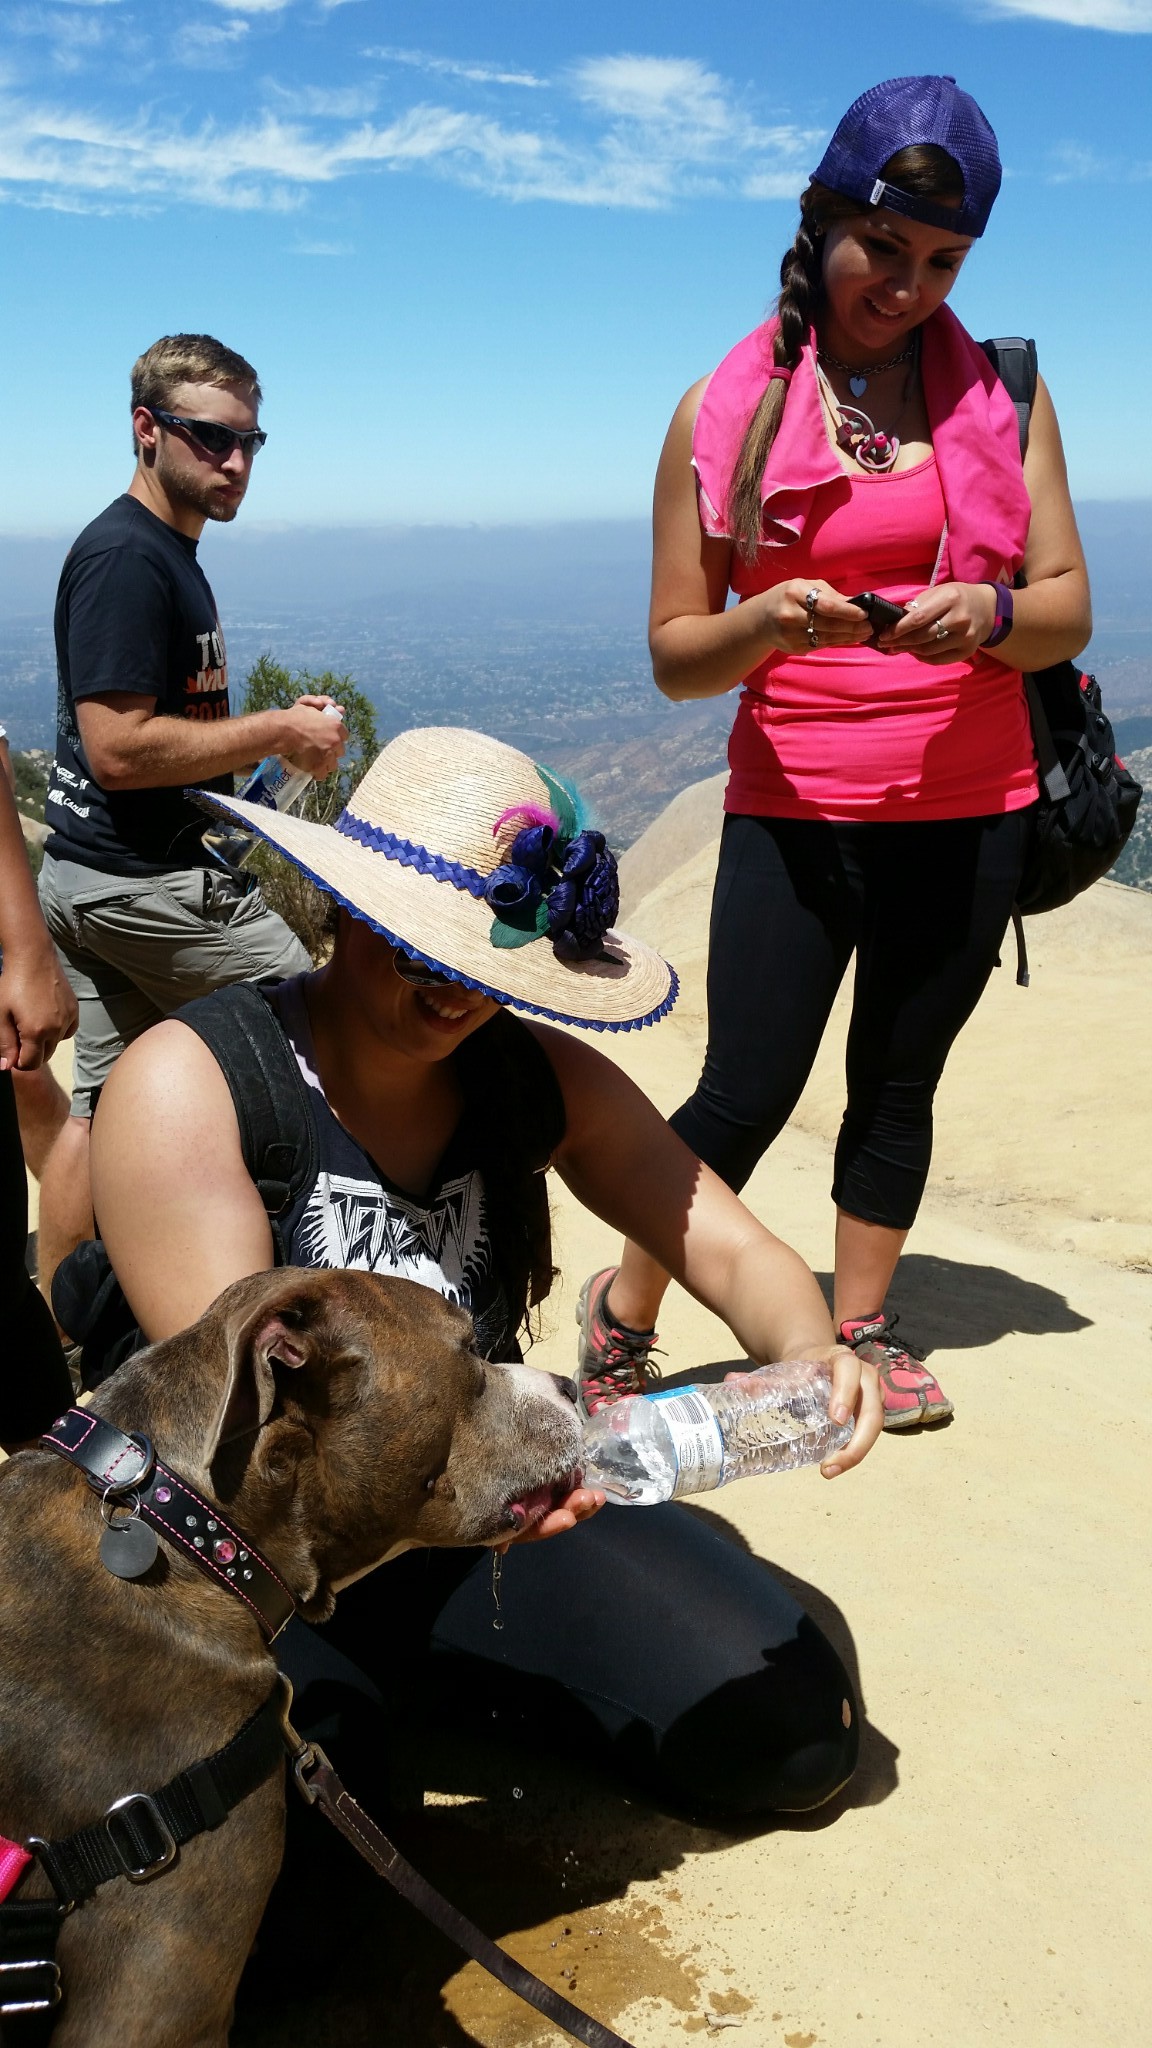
point(140, 1873)
point(10, 2006)
point(308, 1758)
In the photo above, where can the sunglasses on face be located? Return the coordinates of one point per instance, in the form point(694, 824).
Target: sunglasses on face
point(211, 436)
point(417, 975)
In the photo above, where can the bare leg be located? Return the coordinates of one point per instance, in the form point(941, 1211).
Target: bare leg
point(42, 1108)
point(635, 1295)
point(866, 1258)
point(65, 1200)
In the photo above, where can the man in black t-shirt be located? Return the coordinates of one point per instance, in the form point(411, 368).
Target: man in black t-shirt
point(143, 914)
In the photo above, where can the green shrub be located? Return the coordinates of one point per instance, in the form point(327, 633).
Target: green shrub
point(269, 686)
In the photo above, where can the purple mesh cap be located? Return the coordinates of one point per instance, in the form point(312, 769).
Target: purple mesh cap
point(896, 114)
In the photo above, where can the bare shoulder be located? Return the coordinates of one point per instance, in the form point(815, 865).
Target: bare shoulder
point(177, 1208)
point(578, 1066)
point(168, 1073)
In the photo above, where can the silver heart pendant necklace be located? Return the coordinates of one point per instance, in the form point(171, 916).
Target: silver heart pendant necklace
point(857, 378)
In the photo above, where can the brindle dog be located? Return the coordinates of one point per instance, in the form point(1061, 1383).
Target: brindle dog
point(335, 1418)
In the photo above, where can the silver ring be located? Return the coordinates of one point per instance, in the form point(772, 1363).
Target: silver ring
point(810, 604)
point(941, 630)
point(813, 636)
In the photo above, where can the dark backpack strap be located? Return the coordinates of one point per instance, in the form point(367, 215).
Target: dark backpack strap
point(1014, 361)
point(269, 1093)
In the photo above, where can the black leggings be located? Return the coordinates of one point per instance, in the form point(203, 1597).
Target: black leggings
point(924, 905)
point(34, 1383)
point(644, 1634)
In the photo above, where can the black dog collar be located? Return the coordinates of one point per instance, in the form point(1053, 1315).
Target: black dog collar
point(125, 1470)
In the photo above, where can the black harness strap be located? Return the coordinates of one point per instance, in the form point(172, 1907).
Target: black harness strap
point(139, 1835)
point(29, 1972)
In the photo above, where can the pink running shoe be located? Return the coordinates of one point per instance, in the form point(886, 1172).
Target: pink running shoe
point(612, 1361)
point(910, 1393)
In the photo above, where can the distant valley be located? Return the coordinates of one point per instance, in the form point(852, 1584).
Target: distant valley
point(534, 634)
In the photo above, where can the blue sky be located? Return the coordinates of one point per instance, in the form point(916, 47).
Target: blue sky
point(476, 254)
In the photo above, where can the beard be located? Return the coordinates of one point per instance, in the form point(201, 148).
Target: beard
point(212, 496)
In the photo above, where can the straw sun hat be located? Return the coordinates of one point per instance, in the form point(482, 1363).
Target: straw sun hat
point(468, 856)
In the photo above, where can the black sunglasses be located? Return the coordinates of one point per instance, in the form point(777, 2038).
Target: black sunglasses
point(416, 974)
point(214, 438)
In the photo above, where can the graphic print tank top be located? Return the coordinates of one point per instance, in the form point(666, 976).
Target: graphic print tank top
point(353, 1215)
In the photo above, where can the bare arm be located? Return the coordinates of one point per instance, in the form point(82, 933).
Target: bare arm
point(173, 1199)
point(129, 747)
point(625, 1164)
point(37, 1006)
point(698, 648)
point(1052, 618)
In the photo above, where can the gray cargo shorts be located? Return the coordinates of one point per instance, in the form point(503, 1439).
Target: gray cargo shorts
point(135, 947)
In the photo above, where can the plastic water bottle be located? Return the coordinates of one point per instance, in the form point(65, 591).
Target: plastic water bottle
point(276, 785)
point(653, 1447)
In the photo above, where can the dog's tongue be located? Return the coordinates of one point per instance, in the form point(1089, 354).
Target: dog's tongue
point(532, 1507)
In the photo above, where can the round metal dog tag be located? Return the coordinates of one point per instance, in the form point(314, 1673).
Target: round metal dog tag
point(128, 1547)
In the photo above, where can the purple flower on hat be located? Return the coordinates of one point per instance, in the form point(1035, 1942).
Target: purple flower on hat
point(586, 900)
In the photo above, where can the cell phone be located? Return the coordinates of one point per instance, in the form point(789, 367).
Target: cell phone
point(880, 610)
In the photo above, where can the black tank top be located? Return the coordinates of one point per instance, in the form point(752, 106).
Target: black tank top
point(353, 1215)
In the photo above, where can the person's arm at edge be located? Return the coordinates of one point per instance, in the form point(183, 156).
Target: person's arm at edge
point(624, 1163)
point(37, 1006)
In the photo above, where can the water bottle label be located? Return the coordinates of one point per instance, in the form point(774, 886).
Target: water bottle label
point(696, 1440)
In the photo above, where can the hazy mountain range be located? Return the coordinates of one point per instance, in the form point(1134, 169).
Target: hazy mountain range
point(536, 634)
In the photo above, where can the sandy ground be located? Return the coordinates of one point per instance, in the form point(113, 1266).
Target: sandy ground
point(986, 1875)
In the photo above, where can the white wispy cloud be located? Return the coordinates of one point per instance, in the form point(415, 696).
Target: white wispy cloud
point(209, 42)
point(1081, 163)
point(252, 6)
point(321, 249)
point(623, 131)
point(452, 67)
point(1119, 17)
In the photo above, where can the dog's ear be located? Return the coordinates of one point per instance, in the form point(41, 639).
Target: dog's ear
point(274, 1319)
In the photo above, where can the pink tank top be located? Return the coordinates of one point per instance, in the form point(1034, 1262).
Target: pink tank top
point(855, 734)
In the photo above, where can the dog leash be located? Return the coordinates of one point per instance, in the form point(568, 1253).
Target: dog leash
point(148, 1496)
point(322, 1787)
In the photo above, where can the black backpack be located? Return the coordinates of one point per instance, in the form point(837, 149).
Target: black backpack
point(517, 1116)
point(1088, 799)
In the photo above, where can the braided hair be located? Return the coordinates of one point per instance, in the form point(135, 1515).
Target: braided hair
point(923, 169)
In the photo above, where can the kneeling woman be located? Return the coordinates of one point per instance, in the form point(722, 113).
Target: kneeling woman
point(466, 891)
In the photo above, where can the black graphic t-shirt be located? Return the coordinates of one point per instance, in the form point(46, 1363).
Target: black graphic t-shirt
point(134, 613)
point(354, 1216)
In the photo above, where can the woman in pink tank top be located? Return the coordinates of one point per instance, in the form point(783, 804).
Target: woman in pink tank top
point(883, 775)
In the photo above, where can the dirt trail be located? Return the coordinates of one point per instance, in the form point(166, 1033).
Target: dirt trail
point(986, 1875)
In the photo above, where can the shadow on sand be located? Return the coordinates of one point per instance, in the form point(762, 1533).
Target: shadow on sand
point(533, 1837)
point(951, 1305)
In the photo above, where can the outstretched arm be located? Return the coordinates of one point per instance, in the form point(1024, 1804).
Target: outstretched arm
point(622, 1160)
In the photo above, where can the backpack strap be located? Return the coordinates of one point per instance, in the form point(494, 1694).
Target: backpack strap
point(1014, 361)
point(269, 1093)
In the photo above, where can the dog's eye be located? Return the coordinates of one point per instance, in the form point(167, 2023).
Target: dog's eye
point(430, 1482)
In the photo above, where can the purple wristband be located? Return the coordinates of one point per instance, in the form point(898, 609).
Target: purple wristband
point(1003, 622)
